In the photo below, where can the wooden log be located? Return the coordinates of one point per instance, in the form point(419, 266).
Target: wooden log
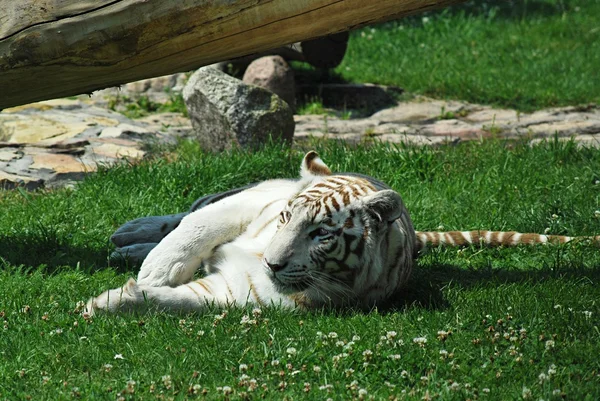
point(55, 48)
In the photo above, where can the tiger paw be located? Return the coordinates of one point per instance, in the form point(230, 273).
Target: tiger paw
point(124, 298)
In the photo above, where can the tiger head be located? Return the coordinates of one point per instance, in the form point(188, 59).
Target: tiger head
point(340, 240)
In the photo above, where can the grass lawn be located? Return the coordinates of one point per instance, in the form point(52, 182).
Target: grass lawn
point(519, 54)
point(472, 324)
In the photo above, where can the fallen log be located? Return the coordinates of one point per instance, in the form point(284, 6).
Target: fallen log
point(55, 48)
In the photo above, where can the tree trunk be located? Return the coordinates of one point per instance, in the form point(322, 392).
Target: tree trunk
point(55, 48)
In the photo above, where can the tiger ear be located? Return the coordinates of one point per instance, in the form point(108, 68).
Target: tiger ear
point(385, 206)
point(312, 165)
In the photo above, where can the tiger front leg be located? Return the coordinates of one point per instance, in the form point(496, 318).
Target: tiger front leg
point(133, 297)
point(176, 258)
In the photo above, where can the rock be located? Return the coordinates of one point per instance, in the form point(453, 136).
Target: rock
point(225, 112)
point(274, 74)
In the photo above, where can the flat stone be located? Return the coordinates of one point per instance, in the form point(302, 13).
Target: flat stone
point(11, 181)
point(564, 128)
point(70, 143)
point(115, 151)
point(8, 154)
point(123, 130)
point(116, 141)
point(60, 163)
point(453, 128)
point(421, 111)
point(44, 105)
point(490, 116)
point(38, 128)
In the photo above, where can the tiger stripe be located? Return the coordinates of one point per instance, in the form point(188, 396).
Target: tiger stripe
point(492, 238)
point(253, 290)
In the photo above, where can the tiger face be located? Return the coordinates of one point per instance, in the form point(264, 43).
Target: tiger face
point(330, 238)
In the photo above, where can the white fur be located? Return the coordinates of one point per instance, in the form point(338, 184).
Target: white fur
point(231, 237)
point(223, 237)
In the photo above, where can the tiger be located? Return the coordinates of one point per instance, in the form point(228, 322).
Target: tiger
point(324, 240)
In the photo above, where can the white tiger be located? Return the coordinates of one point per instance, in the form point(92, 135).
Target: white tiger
point(323, 240)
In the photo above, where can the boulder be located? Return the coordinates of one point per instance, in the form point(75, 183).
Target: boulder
point(225, 112)
point(273, 73)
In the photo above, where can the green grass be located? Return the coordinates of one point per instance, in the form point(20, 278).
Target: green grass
point(142, 106)
point(519, 54)
point(523, 321)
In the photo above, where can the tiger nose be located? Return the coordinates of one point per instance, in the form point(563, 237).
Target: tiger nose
point(274, 266)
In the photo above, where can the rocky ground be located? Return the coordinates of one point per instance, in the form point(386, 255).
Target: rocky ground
point(55, 143)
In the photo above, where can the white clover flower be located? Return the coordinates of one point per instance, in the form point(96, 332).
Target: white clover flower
point(542, 377)
point(119, 356)
point(485, 390)
point(550, 344)
point(227, 390)
point(454, 386)
point(252, 384)
point(166, 380)
point(291, 351)
point(526, 393)
point(552, 370)
point(391, 335)
point(349, 372)
point(394, 357)
point(443, 353)
point(420, 341)
point(333, 335)
point(317, 369)
point(355, 338)
point(556, 391)
point(275, 362)
point(196, 388)
point(256, 312)
point(587, 314)
point(339, 343)
point(404, 374)
point(367, 354)
point(243, 367)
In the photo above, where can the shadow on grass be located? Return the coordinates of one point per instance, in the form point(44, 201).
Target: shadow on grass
point(426, 285)
point(51, 253)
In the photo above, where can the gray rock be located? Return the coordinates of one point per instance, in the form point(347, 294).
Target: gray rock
point(225, 112)
point(273, 74)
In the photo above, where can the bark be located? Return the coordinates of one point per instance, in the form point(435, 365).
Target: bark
point(55, 48)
